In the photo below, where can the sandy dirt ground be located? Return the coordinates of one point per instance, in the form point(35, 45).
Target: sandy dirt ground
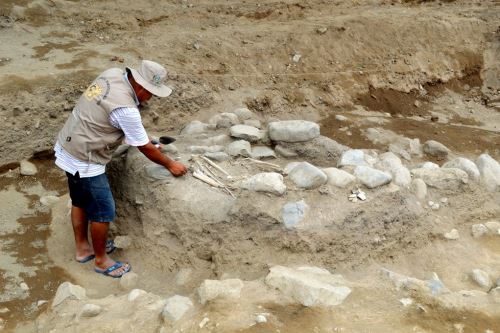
point(422, 69)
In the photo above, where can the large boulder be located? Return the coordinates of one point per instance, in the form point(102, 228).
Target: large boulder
point(309, 286)
point(224, 120)
point(307, 176)
point(28, 168)
point(465, 165)
point(490, 172)
point(244, 114)
point(67, 290)
point(436, 149)
point(176, 307)
point(314, 151)
point(194, 127)
point(443, 179)
point(239, 148)
point(293, 131)
point(215, 289)
point(339, 178)
point(391, 163)
point(355, 157)
point(371, 177)
point(245, 132)
point(270, 182)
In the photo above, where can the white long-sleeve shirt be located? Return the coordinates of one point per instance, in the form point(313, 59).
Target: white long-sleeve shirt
point(128, 120)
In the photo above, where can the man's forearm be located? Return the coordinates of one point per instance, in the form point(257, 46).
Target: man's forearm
point(155, 155)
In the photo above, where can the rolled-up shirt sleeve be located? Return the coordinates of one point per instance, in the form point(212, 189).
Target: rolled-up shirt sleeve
point(130, 122)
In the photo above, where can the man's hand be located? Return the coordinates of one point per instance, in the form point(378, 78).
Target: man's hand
point(154, 154)
point(177, 169)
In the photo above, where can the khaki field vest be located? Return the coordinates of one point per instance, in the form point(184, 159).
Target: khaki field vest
point(87, 134)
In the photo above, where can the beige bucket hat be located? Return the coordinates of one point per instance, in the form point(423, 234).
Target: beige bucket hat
point(151, 76)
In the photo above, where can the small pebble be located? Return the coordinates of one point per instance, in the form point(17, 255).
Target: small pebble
point(452, 235)
point(261, 319)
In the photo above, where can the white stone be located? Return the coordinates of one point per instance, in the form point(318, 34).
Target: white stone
point(40, 303)
point(289, 167)
point(203, 322)
point(307, 176)
point(129, 281)
point(391, 163)
point(452, 235)
point(269, 182)
point(443, 179)
point(243, 114)
point(293, 213)
point(338, 177)
point(262, 152)
point(260, 319)
point(493, 227)
point(49, 200)
point(176, 307)
point(293, 131)
point(194, 127)
point(465, 165)
point(28, 168)
point(479, 230)
point(419, 188)
point(68, 290)
point(353, 157)
point(490, 172)
point(340, 117)
point(219, 156)
point(308, 288)
point(224, 120)
point(406, 301)
point(134, 294)
point(245, 132)
point(123, 242)
point(429, 165)
point(481, 278)
point(214, 289)
point(436, 149)
point(24, 286)
point(371, 177)
point(90, 310)
point(253, 122)
point(239, 148)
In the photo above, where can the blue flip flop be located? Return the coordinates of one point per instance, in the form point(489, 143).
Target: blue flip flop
point(117, 265)
point(110, 247)
point(86, 259)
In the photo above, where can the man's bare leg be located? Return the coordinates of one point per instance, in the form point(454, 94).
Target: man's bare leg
point(99, 232)
point(80, 229)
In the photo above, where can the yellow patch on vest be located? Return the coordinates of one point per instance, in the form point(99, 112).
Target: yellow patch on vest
point(93, 91)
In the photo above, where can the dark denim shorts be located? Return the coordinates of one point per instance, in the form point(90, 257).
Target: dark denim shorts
point(93, 195)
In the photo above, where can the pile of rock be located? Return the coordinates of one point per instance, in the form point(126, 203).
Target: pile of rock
point(141, 311)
